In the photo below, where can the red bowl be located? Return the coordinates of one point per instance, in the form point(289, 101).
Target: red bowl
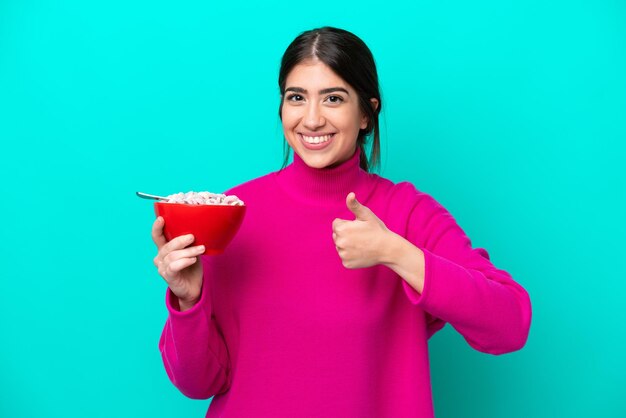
point(213, 226)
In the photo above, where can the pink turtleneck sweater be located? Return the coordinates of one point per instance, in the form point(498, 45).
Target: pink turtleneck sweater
point(282, 329)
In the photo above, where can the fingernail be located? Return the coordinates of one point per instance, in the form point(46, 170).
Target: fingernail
point(201, 248)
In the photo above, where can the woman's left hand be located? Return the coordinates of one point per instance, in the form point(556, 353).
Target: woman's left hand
point(363, 241)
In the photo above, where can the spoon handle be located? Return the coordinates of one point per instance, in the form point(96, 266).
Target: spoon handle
point(150, 196)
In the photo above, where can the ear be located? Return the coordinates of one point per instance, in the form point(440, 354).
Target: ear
point(364, 119)
point(374, 103)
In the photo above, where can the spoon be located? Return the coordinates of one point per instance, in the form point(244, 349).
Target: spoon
point(150, 196)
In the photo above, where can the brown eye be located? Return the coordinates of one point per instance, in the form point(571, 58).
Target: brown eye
point(294, 97)
point(335, 99)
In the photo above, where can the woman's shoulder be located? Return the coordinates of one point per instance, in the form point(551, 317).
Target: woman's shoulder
point(407, 208)
point(250, 189)
point(403, 192)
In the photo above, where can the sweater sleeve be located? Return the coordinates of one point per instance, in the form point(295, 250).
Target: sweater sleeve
point(193, 350)
point(462, 287)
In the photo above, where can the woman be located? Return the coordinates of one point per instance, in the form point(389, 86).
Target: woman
point(323, 304)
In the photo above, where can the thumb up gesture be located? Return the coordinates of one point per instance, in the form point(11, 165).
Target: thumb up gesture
point(361, 242)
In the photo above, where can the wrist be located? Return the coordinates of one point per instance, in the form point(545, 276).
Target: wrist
point(406, 260)
point(392, 250)
point(185, 305)
point(180, 304)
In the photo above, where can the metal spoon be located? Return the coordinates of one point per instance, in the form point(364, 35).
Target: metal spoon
point(150, 196)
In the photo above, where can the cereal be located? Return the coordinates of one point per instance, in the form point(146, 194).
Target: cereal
point(204, 198)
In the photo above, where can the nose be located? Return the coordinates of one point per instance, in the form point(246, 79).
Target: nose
point(313, 118)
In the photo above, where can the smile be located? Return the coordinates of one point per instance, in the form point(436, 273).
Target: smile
point(316, 139)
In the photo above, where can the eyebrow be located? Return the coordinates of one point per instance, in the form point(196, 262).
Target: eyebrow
point(323, 91)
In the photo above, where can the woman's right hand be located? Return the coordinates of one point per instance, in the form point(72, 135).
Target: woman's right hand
point(179, 266)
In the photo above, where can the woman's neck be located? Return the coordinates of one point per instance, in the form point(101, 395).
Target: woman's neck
point(327, 186)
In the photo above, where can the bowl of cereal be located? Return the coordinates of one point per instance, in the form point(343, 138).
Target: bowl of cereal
point(212, 218)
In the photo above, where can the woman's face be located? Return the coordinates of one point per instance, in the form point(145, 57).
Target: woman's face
point(320, 115)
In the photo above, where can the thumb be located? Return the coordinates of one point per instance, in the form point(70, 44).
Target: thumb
point(362, 213)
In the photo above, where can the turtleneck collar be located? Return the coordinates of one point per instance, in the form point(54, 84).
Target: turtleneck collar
point(324, 186)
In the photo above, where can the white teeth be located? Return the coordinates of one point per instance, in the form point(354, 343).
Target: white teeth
point(316, 139)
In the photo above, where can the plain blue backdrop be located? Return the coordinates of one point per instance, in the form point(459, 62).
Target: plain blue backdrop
point(511, 114)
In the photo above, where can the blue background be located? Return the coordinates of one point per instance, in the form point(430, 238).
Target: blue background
point(511, 114)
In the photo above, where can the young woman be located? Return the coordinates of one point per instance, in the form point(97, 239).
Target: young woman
point(323, 304)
